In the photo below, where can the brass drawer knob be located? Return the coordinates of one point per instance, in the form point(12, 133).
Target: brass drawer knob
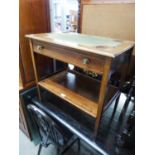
point(39, 47)
point(85, 61)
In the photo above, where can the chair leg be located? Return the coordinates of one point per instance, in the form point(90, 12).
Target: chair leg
point(116, 103)
point(69, 144)
point(39, 150)
point(58, 150)
point(78, 144)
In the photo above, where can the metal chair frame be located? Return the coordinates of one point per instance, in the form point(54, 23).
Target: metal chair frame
point(53, 132)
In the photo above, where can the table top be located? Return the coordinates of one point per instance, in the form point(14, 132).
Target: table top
point(91, 44)
point(75, 121)
point(112, 121)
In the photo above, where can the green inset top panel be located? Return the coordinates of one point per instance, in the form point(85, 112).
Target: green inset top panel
point(85, 40)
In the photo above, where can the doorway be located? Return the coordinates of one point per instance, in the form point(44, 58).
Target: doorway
point(64, 15)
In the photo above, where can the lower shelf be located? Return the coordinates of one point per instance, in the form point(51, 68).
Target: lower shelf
point(77, 89)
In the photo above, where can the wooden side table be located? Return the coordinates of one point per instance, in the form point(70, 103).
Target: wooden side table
point(104, 56)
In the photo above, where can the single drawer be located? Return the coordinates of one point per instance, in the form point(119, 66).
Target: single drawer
point(71, 56)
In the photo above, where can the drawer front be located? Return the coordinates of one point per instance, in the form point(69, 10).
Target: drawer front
point(72, 56)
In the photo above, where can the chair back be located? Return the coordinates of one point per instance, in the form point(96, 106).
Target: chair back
point(49, 130)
